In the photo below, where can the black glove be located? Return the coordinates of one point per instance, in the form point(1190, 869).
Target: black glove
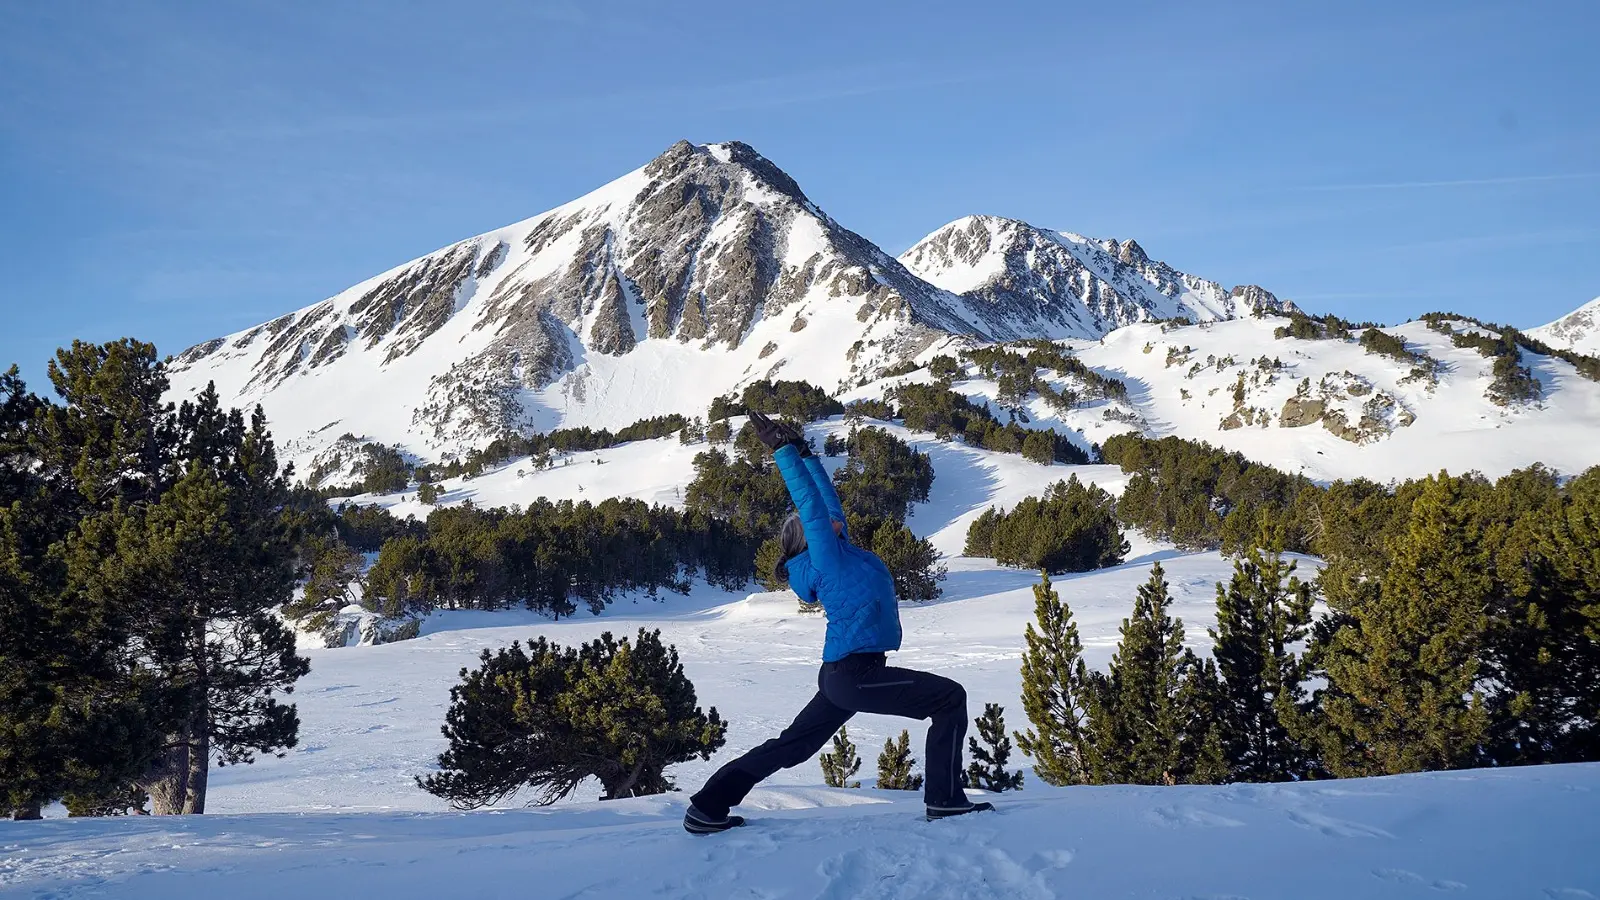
point(769, 432)
point(793, 436)
point(777, 434)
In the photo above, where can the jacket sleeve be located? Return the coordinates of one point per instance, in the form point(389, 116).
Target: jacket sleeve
point(830, 497)
point(821, 543)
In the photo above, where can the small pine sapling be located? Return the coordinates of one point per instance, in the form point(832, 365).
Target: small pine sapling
point(895, 764)
point(988, 768)
point(842, 763)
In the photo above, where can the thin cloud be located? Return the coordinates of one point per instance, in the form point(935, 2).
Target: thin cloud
point(1456, 182)
point(752, 93)
point(1467, 243)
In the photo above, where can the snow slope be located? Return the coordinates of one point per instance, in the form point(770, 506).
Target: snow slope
point(1452, 423)
point(967, 480)
point(1501, 834)
point(1578, 330)
point(370, 715)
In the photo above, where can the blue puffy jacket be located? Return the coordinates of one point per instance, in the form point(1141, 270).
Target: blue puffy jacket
point(853, 585)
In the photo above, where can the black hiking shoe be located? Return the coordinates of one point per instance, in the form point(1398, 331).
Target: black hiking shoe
point(947, 812)
point(697, 822)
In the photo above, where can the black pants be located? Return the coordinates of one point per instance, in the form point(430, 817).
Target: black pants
point(862, 682)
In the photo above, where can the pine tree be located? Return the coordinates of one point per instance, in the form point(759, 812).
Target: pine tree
point(1204, 741)
point(895, 764)
point(333, 571)
point(766, 560)
point(1039, 447)
point(1146, 721)
point(74, 714)
point(988, 767)
point(549, 717)
point(1402, 671)
point(155, 546)
point(1262, 614)
point(1541, 670)
point(842, 763)
point(912, 562)
point(1564, 604)
point(1056, 694)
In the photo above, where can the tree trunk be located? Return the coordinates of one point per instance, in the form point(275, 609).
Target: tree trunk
point(27, 813)
point(199, 772)
point(167, 782)
point(194, 769)
point(620, 784)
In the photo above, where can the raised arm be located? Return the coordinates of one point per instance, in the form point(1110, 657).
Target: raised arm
point(830, 497)
point(815, 516)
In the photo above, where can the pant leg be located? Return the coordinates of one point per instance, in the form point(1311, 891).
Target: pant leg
point(867, 685)
point(816, 723)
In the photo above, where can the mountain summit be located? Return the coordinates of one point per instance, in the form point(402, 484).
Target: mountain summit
point(1578, 331)
point(1024, 281)
point(705, 268)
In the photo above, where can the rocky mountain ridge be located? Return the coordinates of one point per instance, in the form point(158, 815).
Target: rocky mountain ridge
point(709, 268)
point(1025, 281)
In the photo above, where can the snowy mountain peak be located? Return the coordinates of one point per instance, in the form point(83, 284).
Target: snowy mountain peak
point(1025, 281)
point(703, 270)
point(1578, 330)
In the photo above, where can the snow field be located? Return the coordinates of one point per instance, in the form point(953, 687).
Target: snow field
point(370, 716)
point(1490, 834)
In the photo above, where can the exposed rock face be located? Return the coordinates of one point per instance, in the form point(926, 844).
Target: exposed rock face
point(1339, 399)
point(1299, 412)
point(1030, 282)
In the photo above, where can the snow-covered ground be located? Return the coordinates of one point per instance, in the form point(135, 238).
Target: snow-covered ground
point(370, 716)
point(1513, 833)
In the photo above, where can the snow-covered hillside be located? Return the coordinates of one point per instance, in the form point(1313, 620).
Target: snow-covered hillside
point(1331, 409)
point(1578, 330)
point(967, 480)
point(1501, 834)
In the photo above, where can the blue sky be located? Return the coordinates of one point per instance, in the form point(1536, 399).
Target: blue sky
point(180, 170)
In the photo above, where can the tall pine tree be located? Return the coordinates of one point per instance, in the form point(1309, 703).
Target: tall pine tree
point(1402, 670)
point(1542, 665)
point(1149, 724)
point(1262, 614)
point(166, 531)
point(71, 718)
point(1056, 694)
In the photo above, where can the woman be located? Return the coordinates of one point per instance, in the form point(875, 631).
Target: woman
point(857, 594)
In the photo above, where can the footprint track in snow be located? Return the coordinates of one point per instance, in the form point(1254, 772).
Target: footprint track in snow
point(1337, 827)
point(1187, 816)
